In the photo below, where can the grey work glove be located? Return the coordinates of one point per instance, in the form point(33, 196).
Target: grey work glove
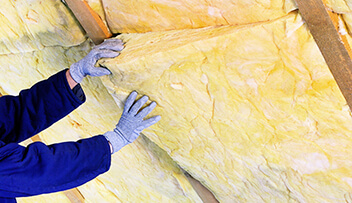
point(131, 122)
point(108, 49)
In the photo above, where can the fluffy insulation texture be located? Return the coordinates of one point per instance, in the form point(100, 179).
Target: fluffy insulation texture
point(146, 15)
point(251, 111)
point(157, 15)
point(28, 25)
point(35, 37)
point(141, 167)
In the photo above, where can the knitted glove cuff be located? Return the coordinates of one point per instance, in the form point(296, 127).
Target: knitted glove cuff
point(116, 141)
point(76, 73)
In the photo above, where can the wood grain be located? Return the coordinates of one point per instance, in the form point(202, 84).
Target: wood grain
point(90, 21)
point(330, 44)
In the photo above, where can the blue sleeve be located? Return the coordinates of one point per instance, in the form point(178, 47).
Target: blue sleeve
point(35, 109)
point(38, 169)
point(7, 200)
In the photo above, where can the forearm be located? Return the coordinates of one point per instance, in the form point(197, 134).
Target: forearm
point(71, 82)
point(35, 109)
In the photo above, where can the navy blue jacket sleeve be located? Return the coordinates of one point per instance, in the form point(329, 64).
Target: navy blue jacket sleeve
point(38, 169)
point(35, 109)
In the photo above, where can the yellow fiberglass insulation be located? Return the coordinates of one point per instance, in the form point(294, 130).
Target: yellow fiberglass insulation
point(58, 197)
point(31, 25)
point(137, 16)
point(157, 15)
point(146, 15)
point(251, 111)
point(141, 167)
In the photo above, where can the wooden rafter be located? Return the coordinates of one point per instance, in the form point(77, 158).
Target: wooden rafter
point(330, 43)
point(89, 20)
point(204, 193)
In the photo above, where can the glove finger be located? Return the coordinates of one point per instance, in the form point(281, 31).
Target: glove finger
point(147, 123)
point(138, 105)
point(105, 54)
point(129, 101)
point(113, 47)
point(112, 44)
point(98, 71)
point(98, 54)
point(144, 112)
point(107, 41)
point(113, 40)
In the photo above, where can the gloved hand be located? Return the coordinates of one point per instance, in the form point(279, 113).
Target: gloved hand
point(108, 49)
point(131, 122)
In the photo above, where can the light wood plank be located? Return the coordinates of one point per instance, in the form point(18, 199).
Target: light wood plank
point(74, 195)
point(36, 138)
point(203, 192)
point(330, 44)
point(90, 20)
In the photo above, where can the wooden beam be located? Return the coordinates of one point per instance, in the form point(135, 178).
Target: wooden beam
point(330, 44)
point(36, 138)
point(90, 21)
point(74, 196)
point(203, 192)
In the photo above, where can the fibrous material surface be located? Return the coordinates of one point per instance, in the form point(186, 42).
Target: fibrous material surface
point(36, 36)
point(146, 15)
point(251, 111)
point(31, 25)
point(141, 167)
point(138, 16)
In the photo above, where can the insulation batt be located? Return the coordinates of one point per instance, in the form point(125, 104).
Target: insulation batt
point(339, 6)
point(252, 111)
point(28, 25)
point(138, 16)
point(146, 15)
point(140, 167)
point(56, 197)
